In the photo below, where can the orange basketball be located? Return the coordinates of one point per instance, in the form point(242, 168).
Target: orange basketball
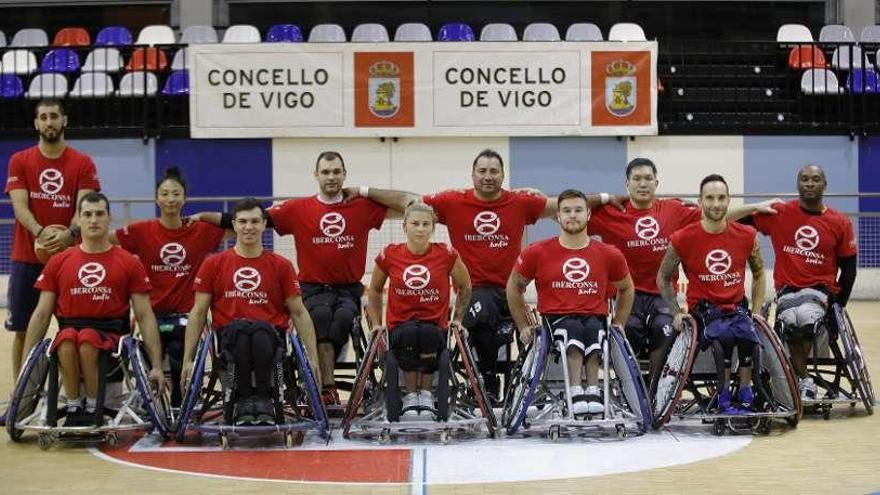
point(42, 253)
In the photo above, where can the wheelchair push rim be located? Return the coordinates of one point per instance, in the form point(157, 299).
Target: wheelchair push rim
point(32, 390)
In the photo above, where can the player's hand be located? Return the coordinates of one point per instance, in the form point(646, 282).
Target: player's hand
point(157, 376)
point(618, 201)
point(185, 374)
point(461, 329)
point(56, 240)
point(678, 319)
point(618, 327)
point(349, 193)
point(527, 334)
point(531, 191)
point(189, 219)
point(768, 206)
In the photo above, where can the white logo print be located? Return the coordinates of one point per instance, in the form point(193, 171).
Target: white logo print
point(91, 274)
point(486, 222)
point(576, 269)
point(806, 238)
point(718, 261)
point(246, 279)
point(647, 228)
point(332, 224)
point(51, 181)
point(172, 254)
point(416, 276)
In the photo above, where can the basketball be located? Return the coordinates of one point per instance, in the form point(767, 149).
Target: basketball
point(42, 253)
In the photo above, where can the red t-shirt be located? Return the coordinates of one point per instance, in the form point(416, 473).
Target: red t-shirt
point(487, 234)
point(642, 235)
point(93, 285)
point(52, 185)
point(330, 239)
point(418, 287)
point(572, 281)
point(715, 263)
point(247, 288)
point(172, 257)
point(807, 245)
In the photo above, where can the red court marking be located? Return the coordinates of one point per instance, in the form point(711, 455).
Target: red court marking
point(361, 466)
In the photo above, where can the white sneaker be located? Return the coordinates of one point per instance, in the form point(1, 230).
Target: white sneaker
point(594, 404)
point(426, 399)
point(410, 403)
point(578, 401)
point(807, 388)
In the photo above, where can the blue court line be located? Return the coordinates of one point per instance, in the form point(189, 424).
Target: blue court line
point(424, 471)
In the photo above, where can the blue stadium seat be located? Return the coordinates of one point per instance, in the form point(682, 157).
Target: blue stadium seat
point(11, 86)
point(284, 33)
point(455, 31)
point(177, 84)
point(862, 81)
point(60, 60)
point(113, 36)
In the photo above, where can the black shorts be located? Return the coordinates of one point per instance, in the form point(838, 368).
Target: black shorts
point(333, 309)
point(488, 309)
point(416, 344)
point(581, 331)
point(650, 323)
point(21, 296)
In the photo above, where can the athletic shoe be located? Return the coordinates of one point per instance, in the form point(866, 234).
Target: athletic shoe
point(724, 405)
point(426, 400)
point(746, 398)
point(76, 416)
point(807, 388)
point(330, 397)
point(410, 404)
point(594, 400)
point(264, 411)
point(244, 412)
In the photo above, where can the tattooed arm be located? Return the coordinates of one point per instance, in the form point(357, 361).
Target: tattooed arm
point(668, 269)
point(759, 282)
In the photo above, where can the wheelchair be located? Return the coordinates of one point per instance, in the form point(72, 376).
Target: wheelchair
point(836, 364)
point(538, 397)
point(349, 361)
point(462, 406)
point(687, 386)
point(126, 400)
point(207, 406)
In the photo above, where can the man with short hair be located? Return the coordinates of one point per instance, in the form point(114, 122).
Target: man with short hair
point(88, 288)
point(714, 253)
point(252, 294)
point(812, 243)
point(44, 183)
point(572, 275)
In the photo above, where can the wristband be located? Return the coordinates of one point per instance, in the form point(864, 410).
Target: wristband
point(75, 231)
point(41, 231)
point(604, 198)
point(364, 191)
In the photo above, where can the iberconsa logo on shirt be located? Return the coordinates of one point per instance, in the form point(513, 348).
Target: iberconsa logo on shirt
point(51, 181)
point(806, 240)
point(90, 276)
point(333, 225)
point(486, 226)
point(647, 229)
point(416, 278)
point(575, 274)
point(718, 263)
point(173, 256)
point(247, 281)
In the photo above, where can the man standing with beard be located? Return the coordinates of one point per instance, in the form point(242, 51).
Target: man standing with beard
point(45, 183)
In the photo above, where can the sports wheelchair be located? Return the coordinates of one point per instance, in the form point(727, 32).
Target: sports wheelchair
point(207, 406)
point(461, 407)
point(538, 396)
point(687, 386)
point(126, 400)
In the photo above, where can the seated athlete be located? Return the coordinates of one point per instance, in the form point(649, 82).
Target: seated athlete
point(419, 272)
point(252, 293)
point(573, 274)
point(88, 287)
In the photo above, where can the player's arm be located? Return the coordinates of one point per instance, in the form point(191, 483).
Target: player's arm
point(196, 320)
point(222, 220)
point(143, 313)
point(516, 300)
point(461, 280)
point(305, 329)
point(22, 211)
point(395, 201)
point(596, 200)
point(846, 279)
point(374, 296)
point(665, 276)
point(626, 293)
point(65, 238)
point(759, 280)
point(735, 213)
point(40, 319)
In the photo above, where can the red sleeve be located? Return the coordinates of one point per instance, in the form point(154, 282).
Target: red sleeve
point(533, 206)
point(48, 279)
point(382, 260)
point(127, 236)
point(847, 246)
point(282, 216)
point(204, 280)
point(527, 263)
point(210, 235)
point(15, 178)
point(377, 214)
point(88, 175)
point(765, 222)
point(616, 264)
point(598, 223)
point(686, 214)
point(138, 280)
point(289, 283)
point(440, 202)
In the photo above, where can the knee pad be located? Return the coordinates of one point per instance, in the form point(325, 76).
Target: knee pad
point(417, 345)
point(320, 308)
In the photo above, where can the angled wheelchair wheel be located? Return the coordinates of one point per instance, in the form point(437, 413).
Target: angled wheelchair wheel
point(525, 380)
point(359, 343)
point(364, 382)
point(478, 390)
point(29, 389)
point(154, 402)
point(674, 375)
point(782, 382)
point(194, 390)
point(629, 377)
point(856, 366)
point(310, 385)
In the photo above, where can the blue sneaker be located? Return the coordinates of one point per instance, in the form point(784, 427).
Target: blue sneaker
point(746, 398)
point(724, 406)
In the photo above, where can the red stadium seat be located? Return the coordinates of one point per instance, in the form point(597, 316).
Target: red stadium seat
point(149, 59)
point(806, 57)
point(72, 36)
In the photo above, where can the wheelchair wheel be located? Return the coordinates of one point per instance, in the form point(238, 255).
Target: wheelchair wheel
point(525, 380)
point(855, 360)
point(154, 403)
point(468, 363)
point(629, 377)
point(365, 375)
point(310, 385)
point(359, 342)
point(674, 375)
point(194, 390)
point(29, 389)
point(783, 385)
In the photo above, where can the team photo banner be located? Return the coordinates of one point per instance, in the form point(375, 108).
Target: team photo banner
point(423, 89)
